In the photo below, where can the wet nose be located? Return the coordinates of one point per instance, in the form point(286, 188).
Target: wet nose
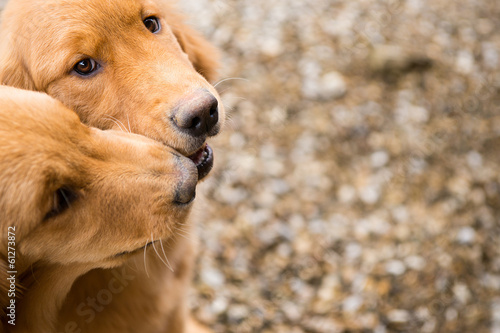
point(185, 191)
point(198, 114)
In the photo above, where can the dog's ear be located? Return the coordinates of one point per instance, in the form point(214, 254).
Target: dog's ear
point(13, 71)
point(203, 55)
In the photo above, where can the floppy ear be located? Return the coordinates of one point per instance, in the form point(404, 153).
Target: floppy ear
point(203, 55)
point(13, 71)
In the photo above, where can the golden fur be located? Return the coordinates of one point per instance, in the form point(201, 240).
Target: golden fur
point(123, 191)
point(143, 79)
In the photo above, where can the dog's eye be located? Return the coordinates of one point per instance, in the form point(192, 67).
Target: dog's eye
point(86, 67)
point(152, 23)
point(63, 198)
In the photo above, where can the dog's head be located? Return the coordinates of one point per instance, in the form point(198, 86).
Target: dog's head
point(117, 63)
point(74, 194)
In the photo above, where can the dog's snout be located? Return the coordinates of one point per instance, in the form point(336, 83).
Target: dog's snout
point(198, 115)
point(185, 191)
point(185, 194)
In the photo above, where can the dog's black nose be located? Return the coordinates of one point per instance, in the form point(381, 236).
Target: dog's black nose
point(185, 194)
point(198, 114)
point(185, 191)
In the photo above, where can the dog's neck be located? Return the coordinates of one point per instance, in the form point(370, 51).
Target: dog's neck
point(86, 297)
point(137, 289)
point(78, 292)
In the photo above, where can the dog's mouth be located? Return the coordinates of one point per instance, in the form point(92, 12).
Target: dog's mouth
point(203, 158)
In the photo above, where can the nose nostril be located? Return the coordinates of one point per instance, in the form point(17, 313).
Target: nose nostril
point(213, 109)
point(195, 122)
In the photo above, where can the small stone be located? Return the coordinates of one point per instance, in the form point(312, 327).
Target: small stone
point(379, 159)
point(400, 214)
point(219, 305)
point(212, 277)
point(495, 312)
point(398, 316)
point(395, 267)
point(415, 262)
point(292, 311)
point(322, 325)
point(284, 250)
point(466, 235)
point(346, 194)
point(237, 312)
point(332, 86)
point(451, 314)
point(407, 114)
point(352, 303)
point(328, 288)
point(380, 329)
point(231, 195)
point(369, 194)
point(490, 55)
point(462, 293)
point(353, 251)
point(474, 159)
point(271, 47)
point(237, 140)
point(465, 62)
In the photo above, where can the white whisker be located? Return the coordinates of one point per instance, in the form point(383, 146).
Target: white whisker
point(163, 261)
point(185, 231)
point(185, 237)
point(118, 123)
point(184, 234)
point(223, 91)
point(228, 79)
point(129, 265)
point(128, 121)
point(163, 250)
point(145, 265)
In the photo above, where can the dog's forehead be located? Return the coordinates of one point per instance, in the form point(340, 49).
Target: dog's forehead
point(91, 13)
point(83, 27)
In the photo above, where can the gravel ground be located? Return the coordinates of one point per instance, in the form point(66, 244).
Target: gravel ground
point(357, 186)
point(358, 180)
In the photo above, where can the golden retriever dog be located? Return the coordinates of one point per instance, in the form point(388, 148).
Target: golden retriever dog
point(86, 212)
point(132, 65)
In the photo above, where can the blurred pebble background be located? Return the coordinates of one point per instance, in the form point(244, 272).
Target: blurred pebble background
point(357, 186)
point(358, 181)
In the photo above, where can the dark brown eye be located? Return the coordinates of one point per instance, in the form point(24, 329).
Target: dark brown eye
point(86, 67)
point(63, 198)
point(152, 23)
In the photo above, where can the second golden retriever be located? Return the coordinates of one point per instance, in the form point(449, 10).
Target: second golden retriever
point(82, 205)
